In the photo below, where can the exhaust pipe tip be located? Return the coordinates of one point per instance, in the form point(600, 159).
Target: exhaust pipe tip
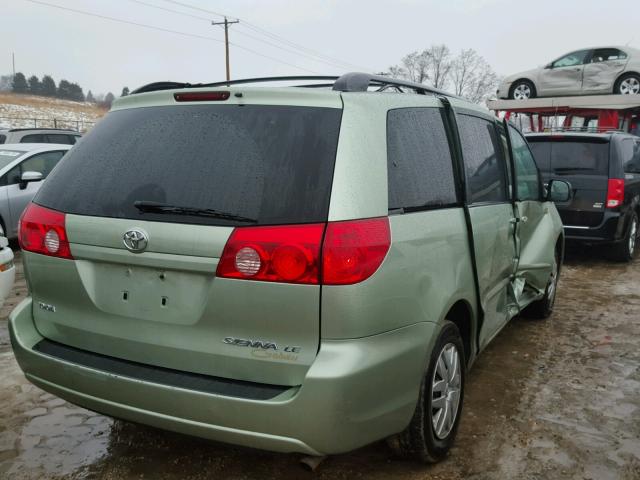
point(311, 463)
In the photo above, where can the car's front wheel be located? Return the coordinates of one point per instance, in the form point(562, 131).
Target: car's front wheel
point(435, 421)
point(628, 84)
point(522, 90)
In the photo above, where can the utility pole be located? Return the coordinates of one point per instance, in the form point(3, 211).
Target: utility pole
point(226, 24)
point(13, 61)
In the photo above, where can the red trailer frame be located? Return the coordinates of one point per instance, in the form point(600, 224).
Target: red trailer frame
point(598, 112)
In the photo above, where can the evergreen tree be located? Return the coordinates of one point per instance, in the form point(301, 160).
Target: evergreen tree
point(64, 90)
point(35, 87)
point(48, 86)
point(19, 84)
point(125, 92)
point(108, 99)
point(90, 98)
point(76, 93)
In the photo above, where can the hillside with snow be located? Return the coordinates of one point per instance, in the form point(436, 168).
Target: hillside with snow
point(21, 111)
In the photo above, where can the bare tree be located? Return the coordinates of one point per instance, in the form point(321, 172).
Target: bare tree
point(430, 65)
point(472, 77)
point(468, 74)
point(439, 65)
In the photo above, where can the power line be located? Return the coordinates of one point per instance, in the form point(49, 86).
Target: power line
point(166, 30)
point(272, 35)
point(337, 64)
point(104, 17)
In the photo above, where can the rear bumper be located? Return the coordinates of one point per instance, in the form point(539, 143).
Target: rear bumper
point(610, 230)
point(356, 392)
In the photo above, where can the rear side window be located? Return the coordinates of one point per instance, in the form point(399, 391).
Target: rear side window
point(483, 160)
point(420, 170)
point(571, 155)
point(3, 138)
point(60, 138)
point(630, 151)
point(33, 138)
point(272, 164)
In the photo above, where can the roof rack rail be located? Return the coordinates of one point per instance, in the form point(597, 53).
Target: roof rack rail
point(360, 82)
point(349, 82)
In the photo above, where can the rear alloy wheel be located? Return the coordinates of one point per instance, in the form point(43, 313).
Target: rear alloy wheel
point(624, 250)
point(433, 427)
point(628, 85)
point(522, 90)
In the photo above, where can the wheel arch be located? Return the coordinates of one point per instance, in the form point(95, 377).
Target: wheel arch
point(461, 315)
point(523, 79)
point(619, 77)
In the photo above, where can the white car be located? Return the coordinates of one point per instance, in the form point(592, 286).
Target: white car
point(590, 71)
point(23, 166)
point(7, 268)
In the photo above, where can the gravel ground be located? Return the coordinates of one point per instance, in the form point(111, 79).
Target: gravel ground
point(555, 399)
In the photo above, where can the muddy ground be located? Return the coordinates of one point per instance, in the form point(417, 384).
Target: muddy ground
point(555, 399)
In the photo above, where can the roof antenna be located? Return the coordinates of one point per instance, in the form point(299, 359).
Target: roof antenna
point(627, 44)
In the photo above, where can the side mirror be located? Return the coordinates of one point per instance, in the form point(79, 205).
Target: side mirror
point(559, 191)
point(28, 177)
point(548, 65)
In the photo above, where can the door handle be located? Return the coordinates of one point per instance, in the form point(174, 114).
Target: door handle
point(514, 220)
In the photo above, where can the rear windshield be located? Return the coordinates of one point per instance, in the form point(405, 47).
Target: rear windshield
point(269, 164)
point(566, 156)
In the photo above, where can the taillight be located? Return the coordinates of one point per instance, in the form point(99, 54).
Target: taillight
point(43, 231)
point(289, 253)
point(353, 250)
point(615, 192)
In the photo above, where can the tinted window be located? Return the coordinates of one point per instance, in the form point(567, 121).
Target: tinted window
point(33, 138)
point(572, 59)
point(420, 171)
point(269, 163)
point(59, 138)
point(483, 160)
point(3, 138)
point(607, 54)
point(630, 151)
point(566, 155)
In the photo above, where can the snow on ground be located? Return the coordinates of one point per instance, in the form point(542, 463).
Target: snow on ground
point(28, 111)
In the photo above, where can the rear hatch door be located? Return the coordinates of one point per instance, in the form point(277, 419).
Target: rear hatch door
point(225, 166)
point(583, 161)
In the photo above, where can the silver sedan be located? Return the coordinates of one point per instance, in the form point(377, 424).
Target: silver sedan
point(591, 71)
point(23, 166)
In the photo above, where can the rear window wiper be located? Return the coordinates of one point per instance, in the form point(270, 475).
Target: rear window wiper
point(157, 207)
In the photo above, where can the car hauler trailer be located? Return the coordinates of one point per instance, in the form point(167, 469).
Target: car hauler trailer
point(589, 113)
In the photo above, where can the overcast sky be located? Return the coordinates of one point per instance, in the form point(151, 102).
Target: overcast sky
point(104, 55)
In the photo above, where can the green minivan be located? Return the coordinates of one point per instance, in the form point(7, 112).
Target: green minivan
point(293, 269)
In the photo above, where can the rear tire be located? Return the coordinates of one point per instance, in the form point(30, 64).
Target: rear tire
point(543, 308)
point(628, 84)
point(624, 250)
point(522, 90)
point(435, 421)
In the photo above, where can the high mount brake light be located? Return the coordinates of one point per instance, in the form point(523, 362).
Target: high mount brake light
point(201, 96)
point(351, 252)
point(43, 231)
point(615, 192)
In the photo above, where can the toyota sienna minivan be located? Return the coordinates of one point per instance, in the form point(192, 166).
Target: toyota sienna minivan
point(292, 269)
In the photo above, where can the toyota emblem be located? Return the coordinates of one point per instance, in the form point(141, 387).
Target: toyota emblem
point(135, 240)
